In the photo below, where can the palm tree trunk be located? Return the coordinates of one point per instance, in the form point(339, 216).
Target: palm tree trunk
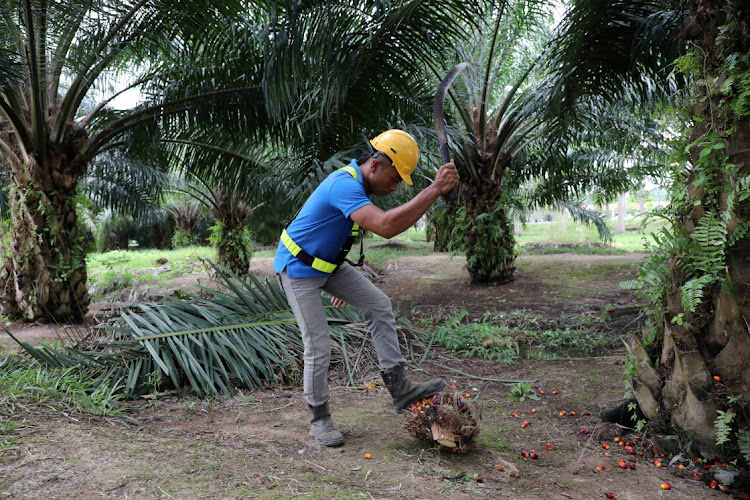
point(489, 238)
point(43, 272)
point(703, 360)
point(230, 235)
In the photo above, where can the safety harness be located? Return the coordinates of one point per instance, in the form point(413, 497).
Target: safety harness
point(320, 264)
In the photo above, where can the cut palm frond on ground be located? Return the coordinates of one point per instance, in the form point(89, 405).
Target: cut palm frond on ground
point(240, 334)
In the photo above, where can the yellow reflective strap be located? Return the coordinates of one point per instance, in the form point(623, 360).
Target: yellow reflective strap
point(322, 265)
point(295, 249)
point(351, 170)
point(289, 243)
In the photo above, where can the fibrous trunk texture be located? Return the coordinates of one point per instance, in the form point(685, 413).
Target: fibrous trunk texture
point(704, 356)
point(489, 236)
point(43, 273)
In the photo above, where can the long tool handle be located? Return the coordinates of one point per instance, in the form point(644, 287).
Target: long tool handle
point(438, 116)
point(445, 157)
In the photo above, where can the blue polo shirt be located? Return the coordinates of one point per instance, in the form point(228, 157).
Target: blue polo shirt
point(323, 224)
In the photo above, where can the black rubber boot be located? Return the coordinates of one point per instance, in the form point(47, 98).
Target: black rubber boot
point(321, 426)
point(403, 392)
point(622, 415)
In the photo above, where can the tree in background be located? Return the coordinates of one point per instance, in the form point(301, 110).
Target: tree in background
point(56, 58)
point(229, 234)
point(514, 152)
point(186, 213)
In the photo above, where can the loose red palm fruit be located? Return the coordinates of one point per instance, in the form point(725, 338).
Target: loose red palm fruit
point(549, 446)
point(525, 454)
point(657, 463)
point(665, 486)
point(610, 495)
point(600, 468)
point(696, 475)
point(368, 456)
point(480, 479)
point(714, 483)
point(533, 455)
point(605, 446)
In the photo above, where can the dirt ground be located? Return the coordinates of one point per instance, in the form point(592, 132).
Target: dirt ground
point(256, 444)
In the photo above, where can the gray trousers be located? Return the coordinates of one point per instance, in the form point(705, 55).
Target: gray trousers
point(349, 285)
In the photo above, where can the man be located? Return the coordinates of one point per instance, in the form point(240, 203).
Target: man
point(310, 258)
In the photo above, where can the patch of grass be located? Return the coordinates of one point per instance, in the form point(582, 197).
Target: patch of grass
point(62, 388)
point(117, 269)
point(585, 239)
point(475, 339)
point(495, 334)
point(534, 249)
point(557, 338)
point(379, 256)
point(6, 428)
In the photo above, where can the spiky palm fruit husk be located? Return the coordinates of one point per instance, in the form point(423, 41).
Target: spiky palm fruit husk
point(446, 420)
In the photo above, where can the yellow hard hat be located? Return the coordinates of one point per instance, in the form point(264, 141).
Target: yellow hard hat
point(401, 148)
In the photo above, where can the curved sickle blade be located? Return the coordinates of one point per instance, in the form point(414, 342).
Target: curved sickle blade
point(437, 114)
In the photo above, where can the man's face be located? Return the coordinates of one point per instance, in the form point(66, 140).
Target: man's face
point(386, 178)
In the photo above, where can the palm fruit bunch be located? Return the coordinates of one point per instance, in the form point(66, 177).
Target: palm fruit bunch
point(446, 420)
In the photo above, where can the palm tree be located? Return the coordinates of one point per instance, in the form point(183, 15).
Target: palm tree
point(690, 367)
point(511, 138)
point(56, 57)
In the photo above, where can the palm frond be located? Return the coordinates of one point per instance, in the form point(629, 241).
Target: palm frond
point(211, 342)
point(126, 183)
point(620, 51)
point(332, 88)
